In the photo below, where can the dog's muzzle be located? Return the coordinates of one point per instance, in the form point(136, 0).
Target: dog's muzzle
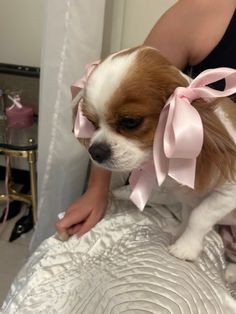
point(100, 152)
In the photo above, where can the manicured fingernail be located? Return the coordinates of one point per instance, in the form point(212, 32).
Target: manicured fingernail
point(61, 215)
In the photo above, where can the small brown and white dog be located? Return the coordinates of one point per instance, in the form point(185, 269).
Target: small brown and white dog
point(123, 98)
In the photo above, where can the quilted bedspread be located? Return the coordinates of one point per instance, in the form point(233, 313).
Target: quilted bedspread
point(122, 266)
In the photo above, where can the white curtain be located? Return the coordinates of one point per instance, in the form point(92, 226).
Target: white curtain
point(72, 37)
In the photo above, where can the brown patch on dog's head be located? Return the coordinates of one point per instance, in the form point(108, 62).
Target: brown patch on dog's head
point(143, 94)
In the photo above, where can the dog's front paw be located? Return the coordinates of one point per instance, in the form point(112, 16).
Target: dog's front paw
point(186, 249)
point(230, 273)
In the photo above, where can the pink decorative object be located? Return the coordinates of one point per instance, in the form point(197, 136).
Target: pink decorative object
point(19, 116)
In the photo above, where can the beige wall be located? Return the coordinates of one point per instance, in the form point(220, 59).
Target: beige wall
point(21, 31)
point(128, 22)
point(140, 16)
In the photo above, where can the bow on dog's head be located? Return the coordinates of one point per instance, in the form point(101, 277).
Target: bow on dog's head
point(122, 104)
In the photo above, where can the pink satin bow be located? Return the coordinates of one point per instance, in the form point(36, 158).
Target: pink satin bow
point(179, 135)
point(83, 128)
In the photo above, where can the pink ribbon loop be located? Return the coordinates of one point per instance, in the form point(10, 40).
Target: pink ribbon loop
point(179, 135)
point(142, 181)
point(83, 128)
point(178, 140)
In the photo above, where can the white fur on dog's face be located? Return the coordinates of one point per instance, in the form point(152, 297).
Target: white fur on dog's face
point(126, 88)
point(126, 153)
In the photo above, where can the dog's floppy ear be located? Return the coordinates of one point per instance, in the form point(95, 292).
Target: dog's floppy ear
point(219, 150)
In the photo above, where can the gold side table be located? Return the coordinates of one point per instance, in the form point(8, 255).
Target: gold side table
point(22, 143)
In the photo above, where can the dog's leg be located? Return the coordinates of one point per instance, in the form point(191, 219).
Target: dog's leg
point(177, 229)
point(211, 210)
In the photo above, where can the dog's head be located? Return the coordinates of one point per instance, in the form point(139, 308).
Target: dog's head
point(123, 99)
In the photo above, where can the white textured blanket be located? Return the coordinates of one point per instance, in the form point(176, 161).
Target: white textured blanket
point(122, 266)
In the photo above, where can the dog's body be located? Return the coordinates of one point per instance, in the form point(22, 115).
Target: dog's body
point(123, 98)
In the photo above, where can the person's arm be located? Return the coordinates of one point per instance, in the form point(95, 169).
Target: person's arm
point(190, 29)
point(99, 179)
point(89, 209)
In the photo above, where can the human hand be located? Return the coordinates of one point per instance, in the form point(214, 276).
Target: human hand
point(83, 214)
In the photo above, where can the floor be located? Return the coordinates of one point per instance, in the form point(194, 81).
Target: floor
point(13, 255)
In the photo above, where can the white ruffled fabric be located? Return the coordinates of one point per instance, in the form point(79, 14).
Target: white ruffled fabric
point(122, 266)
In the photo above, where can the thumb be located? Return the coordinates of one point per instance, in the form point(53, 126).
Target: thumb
point(70, 219)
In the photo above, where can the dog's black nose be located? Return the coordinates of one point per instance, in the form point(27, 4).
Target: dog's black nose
point(100, 152)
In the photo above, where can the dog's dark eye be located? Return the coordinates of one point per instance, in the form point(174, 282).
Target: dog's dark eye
point(129, 123)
